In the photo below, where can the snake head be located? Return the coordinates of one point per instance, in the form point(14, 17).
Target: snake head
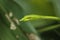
point(30, 17)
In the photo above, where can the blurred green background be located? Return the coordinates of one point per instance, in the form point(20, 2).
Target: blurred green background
point(11, 11)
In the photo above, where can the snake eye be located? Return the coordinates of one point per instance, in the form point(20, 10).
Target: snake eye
point(28, 17)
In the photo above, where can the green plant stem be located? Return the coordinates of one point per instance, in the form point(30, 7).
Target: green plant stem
point(48, 28)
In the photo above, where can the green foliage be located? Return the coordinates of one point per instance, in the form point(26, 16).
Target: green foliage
point(16, 20)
